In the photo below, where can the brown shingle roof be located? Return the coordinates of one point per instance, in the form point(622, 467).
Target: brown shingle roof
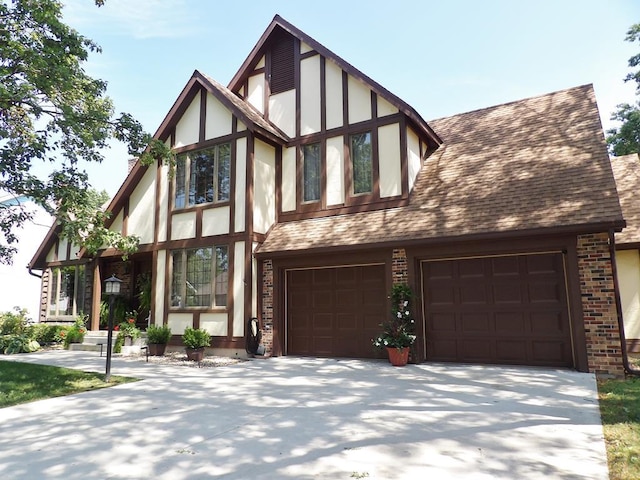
point(535, 163)
point(626, 170)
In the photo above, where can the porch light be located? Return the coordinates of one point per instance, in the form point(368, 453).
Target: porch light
point(112, 289)
point(112, 285)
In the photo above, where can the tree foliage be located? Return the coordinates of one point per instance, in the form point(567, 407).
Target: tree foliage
point(626, 138)
point(52, 112)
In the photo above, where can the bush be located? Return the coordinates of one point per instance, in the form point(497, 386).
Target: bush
point(13, 323)
point(196, 338)
point(18, 343)
point(158, 334)
point(75, 334)
point(43, 333)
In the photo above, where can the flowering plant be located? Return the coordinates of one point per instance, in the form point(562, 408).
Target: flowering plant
point(398, 331)
point(128, 328)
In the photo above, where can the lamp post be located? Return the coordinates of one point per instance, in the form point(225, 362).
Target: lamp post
point(112, 289)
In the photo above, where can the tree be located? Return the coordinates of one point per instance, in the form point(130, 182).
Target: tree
point(626, 138)
point(52, 112)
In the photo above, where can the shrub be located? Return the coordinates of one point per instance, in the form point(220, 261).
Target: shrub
point(13, 323)
point(17, 343)
point(75, 334)
point(43, 333)
point(193, 338)
point(158, 334)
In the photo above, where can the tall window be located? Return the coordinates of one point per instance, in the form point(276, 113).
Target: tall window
point(200, 277)
point(203, 176)
point(312, 172)
point(66, 291)
point(361, 163)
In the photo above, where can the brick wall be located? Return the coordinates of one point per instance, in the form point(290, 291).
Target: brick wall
point(44, 294)
point(399, 266)
point(598, 305)
point(267, 306)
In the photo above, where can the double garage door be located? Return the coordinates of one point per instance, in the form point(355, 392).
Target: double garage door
point(508, 309)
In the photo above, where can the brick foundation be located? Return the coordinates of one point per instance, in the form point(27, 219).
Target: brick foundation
point(602, 333)
point(267, 306)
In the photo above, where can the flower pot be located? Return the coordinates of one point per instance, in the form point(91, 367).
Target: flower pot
point(398, 356)
point(195, 354)
point(157, 349)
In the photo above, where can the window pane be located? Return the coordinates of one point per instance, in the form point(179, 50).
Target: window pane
point(362, 163)
point(224, 162)
point(53, 291)
point(181, 168)
point(311, 168)
point(176, 280)
point(198, 282)
point(66, 291)
point(222, 276)
point(201, 177)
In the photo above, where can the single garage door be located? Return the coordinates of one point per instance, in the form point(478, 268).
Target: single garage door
point(335, 312)
point(505, 310)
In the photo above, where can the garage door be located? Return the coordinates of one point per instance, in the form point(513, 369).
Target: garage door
point(505, 310)
point(335, 312)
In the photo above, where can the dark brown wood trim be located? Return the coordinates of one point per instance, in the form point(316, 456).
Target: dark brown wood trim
point(374, 105)
point(68, 252)
point(232, 179)
point(628, 246)
point(96, 296)
point(231, 252)
point(168, 268)
point(309, 54)
point(68, 263)
point(201, 206)
point(211, 142)
point(257, 71)
point(154, 289)
point(248, 282)
point(196, 319)
point(248, 211)
point(56, 247)
point(203, 116)
point(236, 343)
point(278, 160)
point(199, 222)
point(375, 167)
point(267, 84)
point(156, 212)
point(345, 99)
point(258, 237)
point(323, 96)
point(578, 336)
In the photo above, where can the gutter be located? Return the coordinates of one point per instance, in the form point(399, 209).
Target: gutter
point(623, 341)
point(33, 274)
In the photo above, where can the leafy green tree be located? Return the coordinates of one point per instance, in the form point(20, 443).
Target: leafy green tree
point(52, 112)
point(626, 138)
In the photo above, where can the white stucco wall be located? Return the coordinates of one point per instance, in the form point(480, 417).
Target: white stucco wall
point(183, 225)
point(188, 127)
point(218, 121)
point(389, 154)
point(282, 111)
point(215, 221)
point(179, 321)
point(310, 95)
point(335, 171)
point(333, 85)
point(215, 323)
point(413, 157)
point(241, 185)
point(385, 108)
point(164, 203)
point(264, 190)
point(142, 204)
point(628, 263)
point(256, 92)
point(359, 101)
point(238, 290)
point(289, 179)
point(159, 291)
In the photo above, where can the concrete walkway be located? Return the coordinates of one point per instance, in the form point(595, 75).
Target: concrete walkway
point(300, 418)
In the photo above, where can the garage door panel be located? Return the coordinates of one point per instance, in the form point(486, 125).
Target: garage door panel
point(515, 313)
point(348, 305)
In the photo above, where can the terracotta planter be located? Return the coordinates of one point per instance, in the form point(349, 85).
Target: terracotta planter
point(398, 356)
point(157, 349)
point(195, 354)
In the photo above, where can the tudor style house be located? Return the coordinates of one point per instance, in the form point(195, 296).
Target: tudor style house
point(304, 190)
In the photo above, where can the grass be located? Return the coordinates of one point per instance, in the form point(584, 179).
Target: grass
point(25, 382)
point(620, 411)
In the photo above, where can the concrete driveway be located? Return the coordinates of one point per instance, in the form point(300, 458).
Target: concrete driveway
point(302, 418)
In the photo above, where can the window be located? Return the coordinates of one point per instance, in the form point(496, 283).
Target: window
point(361, 163)
point(312, 172)
point(203, 176)
point(200, 277)
point(66, 291)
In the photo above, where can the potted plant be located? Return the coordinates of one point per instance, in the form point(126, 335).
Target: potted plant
point(195, 342)
point(398, 332)
point(157, 338)
point(128, 333)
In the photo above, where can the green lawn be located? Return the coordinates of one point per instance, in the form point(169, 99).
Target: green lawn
point(620, 410)
point(25, 382)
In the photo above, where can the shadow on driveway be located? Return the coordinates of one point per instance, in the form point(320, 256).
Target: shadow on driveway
point(307, 418)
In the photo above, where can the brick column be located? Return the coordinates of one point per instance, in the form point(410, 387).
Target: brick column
point(602, 332)
point(267, 306)
point(399, 270)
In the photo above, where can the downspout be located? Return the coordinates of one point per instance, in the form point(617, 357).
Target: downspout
point(33, 274)
point(616, 288)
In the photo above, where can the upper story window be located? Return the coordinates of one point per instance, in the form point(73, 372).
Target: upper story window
point(312, 172)
point(361, 163)
point(200, 277)
point(203, 176)
point(66, 291)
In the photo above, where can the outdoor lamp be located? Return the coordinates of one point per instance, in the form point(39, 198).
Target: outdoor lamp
point(112, 289)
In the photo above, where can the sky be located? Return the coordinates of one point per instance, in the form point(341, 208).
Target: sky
point(442, 58)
